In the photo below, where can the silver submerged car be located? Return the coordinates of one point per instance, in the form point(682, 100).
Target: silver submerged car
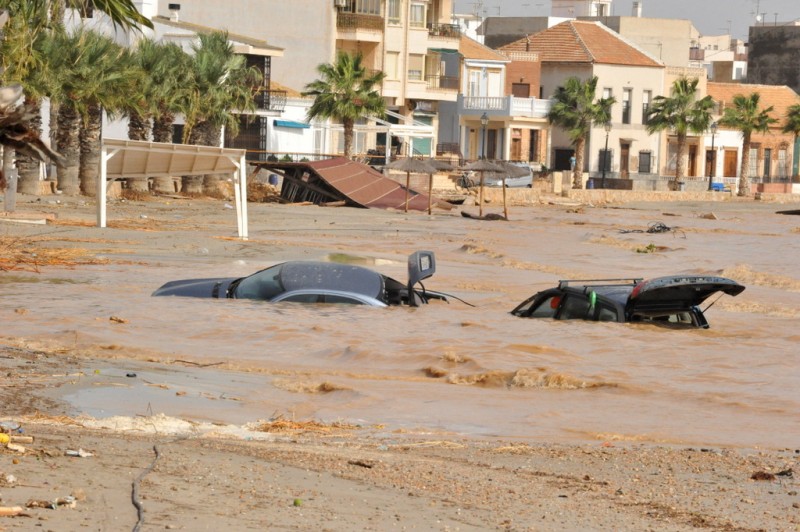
point(317, 282)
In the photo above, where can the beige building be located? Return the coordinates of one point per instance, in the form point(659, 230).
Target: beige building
point(629, 74)
point(403, 38)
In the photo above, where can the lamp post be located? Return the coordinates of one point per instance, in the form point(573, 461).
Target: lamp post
point(484, 123)
point(711, 170)
point(607, 127)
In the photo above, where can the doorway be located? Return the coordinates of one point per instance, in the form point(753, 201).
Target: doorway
point(491, 144)
point(731, 157)
point(624, 156)
point(692, 170)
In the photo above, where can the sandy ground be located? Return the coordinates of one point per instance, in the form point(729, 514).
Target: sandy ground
point(152, 473)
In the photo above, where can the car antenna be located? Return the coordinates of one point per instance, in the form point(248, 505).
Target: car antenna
point(712, 303)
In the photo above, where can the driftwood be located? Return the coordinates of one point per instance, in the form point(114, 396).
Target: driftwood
point(490, 216)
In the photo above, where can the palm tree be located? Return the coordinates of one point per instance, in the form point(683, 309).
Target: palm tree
point(220, 86)
point(346, 91)
point(747, 117)
point(682, 113)
point(22, 61)
point(575, 110)
point(95, 73)
point(792, 126)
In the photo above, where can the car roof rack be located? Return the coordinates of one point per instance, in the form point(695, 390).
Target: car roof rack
point(599, 282)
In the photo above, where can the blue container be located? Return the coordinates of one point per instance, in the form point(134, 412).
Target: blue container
point(273, 180)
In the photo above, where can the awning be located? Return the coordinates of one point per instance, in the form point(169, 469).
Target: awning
point(291, 123)
point(134, 158)
point(444, 50)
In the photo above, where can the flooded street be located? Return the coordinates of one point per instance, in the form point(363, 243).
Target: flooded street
point(445, 368)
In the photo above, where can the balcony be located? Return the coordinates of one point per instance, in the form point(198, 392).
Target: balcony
point(270, 100)
point(447, 83)
point(510, 106)
point(444, 31)
point(358, 23)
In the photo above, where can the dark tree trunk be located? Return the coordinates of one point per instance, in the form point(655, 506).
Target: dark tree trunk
point(162, 132)
point(28, 167)
point(203, 134)
point(138, 129)
point(68, 145)
point(577, 173)
point(90, 138)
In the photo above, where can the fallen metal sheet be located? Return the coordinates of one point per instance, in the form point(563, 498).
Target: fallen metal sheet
point(342, 179)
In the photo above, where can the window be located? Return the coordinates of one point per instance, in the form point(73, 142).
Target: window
point(574, 308)
point(607, 93)
point(416, 65)
point(393, 8)
point(753, 162)
point(767, 162)
point(368, 7)
point(646, 97)
point(645, 162)
point(626, 106)
point(782, 171)
point(521, 90)
point(417, 15)
point(392, 61)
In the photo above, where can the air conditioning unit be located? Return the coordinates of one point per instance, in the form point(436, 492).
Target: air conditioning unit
point(340, 3)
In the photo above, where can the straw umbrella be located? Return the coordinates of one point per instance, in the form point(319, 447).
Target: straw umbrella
point(482, 165)
point(410, 165)
point(441, 166)
point(509, 170)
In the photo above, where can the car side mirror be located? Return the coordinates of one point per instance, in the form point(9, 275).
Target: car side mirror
point(421, 265)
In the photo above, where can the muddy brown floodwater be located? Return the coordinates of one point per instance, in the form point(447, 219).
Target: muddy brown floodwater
point(444, 368)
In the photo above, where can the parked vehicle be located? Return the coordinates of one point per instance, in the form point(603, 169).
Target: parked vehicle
point(317, 282)
point(472, 178)
point(673, 300)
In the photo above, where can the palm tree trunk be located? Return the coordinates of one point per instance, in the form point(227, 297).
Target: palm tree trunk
point(28, 167)
point(744, 173)
point(202, 134)
point(348, 137)
point(162, 132)
point(68, 145)
point(90, 133)
point(680, 169)
point(138, 129)
point(577, 173)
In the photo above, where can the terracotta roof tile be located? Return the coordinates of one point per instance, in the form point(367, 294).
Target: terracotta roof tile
point(780, 97)
point(577, 41)
point(472, 49)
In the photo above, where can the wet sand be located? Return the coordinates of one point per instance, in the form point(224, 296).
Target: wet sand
point(488, 425)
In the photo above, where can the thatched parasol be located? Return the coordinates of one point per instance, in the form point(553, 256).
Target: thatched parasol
point(482, 165)
point(441, 166)
point(410, 165)
point(509, 170)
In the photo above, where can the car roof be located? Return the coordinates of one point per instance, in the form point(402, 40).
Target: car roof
point(302, 275)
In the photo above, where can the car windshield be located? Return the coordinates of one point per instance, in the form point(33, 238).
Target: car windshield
point(263, 285)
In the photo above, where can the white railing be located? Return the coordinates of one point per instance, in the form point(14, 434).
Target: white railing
point(505, 105)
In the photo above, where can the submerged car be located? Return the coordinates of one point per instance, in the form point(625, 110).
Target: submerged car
point(521, 179)
point(317, 282)
point(672, 300)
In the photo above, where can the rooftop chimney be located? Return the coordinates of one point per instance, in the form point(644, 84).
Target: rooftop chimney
point(174, 9)
point(637, 9)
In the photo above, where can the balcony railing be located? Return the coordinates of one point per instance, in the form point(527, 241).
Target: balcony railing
point(442, 82)
point(446, 31)
point(356, 21)
point(504, 106)
point(271, 100)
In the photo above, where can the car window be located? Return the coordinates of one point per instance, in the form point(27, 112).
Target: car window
point(547, 308)
point(261, 285)
point(575, 307)
point(606, 313)
point(346, 300)
point(302, 298)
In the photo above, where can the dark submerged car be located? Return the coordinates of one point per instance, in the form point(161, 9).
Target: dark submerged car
point(317, 282)
point(673, 300)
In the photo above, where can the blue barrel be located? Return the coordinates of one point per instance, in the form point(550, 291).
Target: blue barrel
point(273, 180)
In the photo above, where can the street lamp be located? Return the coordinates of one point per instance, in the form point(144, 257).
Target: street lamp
point(607, 127)
point(711, 170)
point(484, 123)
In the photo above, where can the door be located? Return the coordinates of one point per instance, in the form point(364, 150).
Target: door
point(730, 163)
point(516, 149)
point(491, 144)
point(624, 156)
point(767, 162)
point(692, 170)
